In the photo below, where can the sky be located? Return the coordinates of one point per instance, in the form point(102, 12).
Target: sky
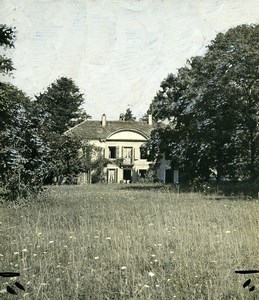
point(116, 51)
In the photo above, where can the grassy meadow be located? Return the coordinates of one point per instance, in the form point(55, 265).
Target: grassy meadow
point(129, 242)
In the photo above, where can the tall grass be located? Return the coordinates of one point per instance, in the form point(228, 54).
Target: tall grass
point(120, 242)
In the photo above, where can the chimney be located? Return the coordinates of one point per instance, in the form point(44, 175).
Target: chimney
point(149, 119)
point(103, 120)
point(122, 117)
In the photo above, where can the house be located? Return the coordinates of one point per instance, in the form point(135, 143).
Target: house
point(121, 141)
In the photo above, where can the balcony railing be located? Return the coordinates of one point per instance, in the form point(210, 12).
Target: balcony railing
point(127, 161)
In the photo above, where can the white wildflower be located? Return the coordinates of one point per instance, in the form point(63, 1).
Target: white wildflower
point(26, 294)
point(151, 274)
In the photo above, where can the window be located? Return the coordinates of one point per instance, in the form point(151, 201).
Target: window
point(127, 155)
point(112, 175)
point(112, 152)
point(127, 152)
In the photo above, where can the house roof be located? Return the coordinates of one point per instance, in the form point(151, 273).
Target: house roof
point(92, 130)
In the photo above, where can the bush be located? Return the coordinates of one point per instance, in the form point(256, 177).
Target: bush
point(250, 189)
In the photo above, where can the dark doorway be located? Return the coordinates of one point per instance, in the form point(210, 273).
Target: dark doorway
point(142, 173)
point(169, 176)
point(127, 174)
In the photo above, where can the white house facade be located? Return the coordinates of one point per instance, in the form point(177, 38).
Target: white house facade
point(121, 141)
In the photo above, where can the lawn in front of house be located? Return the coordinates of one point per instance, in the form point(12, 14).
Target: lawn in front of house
point(129, 242)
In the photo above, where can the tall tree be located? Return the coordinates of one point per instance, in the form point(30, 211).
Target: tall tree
point(23, 152)
point(60, 107)
point(129, 115)
point(212, 108)
point(62, 101)
point(7, 37)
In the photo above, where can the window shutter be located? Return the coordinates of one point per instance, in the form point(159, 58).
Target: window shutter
point(106, 152)
point(116, 175)
point(136, 153)
point(117, 151)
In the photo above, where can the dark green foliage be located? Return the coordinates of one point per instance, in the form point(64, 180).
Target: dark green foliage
point(98, 167)
point(22, 151)
point(62, 101)
point(246, 189)
point(33, 149)
point(129, 115)
point(211, 106)
point(63, 162)
point(7, 37)
point(60, 109)
point(144, 117)
point(92, 160)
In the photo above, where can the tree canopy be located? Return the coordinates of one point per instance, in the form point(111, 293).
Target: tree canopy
point(22, 150)
point(62, 101)
point(33, 147)
point(61, 105)
point(7, 37)
point(128, 116)
point(211, 106)
point(23, 153)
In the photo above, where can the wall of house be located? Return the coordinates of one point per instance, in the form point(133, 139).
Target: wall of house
point(136, 163)
point(115, 172)
point(121, 141)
